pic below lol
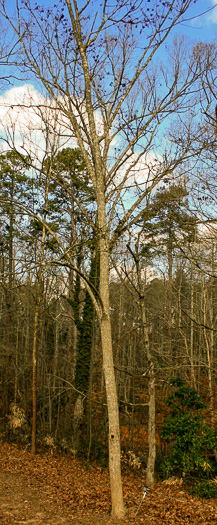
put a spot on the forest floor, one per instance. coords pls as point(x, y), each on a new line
point(51, 489)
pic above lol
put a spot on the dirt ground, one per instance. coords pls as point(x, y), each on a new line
point(56, 490)
point(38, 490)
point(22, 503)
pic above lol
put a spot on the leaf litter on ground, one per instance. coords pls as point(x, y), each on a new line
point(64, 490)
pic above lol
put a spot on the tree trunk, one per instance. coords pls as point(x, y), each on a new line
point(78, 418)
point(193, 379)
point(170, 292)
point(36, 315)
point(118, 510)
point(34, 370)
point(151, 410)
point(72, 330)
point(113, 416)
point(9, 301)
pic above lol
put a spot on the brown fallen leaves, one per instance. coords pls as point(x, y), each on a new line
point(81, 494)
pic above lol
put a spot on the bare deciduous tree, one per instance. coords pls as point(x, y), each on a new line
point(98, 70)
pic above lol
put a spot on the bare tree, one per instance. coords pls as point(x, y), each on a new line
point(98, 70)
point(134, 281)
point(40, 269)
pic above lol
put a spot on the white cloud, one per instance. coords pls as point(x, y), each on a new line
point(147, 274)
point(212, 15)
point(26, 116)
point(17, 109)
point(138, 170)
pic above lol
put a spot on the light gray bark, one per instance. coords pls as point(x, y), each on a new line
point(151, 411)
point(118, 509)
point(77, 421)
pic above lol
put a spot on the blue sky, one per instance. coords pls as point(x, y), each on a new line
point(202, 27)
point(201, 23)
point(197, 28)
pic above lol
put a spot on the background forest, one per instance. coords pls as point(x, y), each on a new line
point(43, 301)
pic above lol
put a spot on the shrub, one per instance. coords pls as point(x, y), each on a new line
point(190, 440)
point(17, 418)
point(204, 489)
